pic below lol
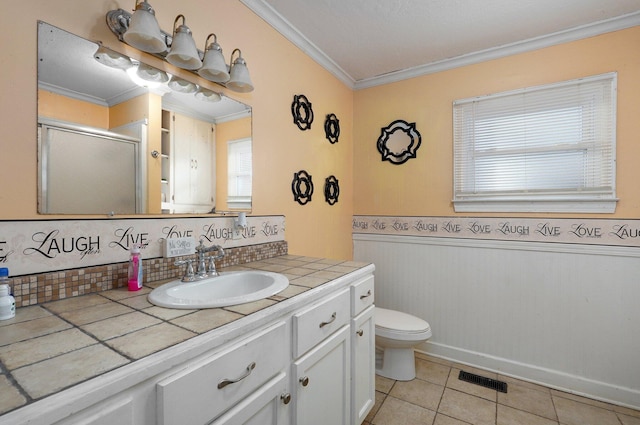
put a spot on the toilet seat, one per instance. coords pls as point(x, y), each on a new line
point(401, 326)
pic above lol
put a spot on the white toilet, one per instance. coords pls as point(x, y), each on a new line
point(396, 335)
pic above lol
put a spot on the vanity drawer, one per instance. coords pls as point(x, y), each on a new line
point(312, 325)
point(197, 394)
point(362, 295)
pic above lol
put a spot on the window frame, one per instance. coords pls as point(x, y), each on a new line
point(466, 197)
point(235, 201)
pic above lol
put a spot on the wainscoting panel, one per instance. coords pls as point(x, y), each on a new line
point(565, 315)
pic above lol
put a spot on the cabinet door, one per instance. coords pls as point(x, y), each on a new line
point(321, 382)
point(193, 162)
point(362, 365)
point(266, 406)
point(203, 172)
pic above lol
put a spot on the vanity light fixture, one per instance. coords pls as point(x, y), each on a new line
point(151, 74)
point(214, 67)
point(239, 80)
point(112, 59)
point(180, 85)
point(141, 31)
point(183, 53)
point(207, 95)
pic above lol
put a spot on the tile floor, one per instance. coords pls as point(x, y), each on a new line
point(438, 397)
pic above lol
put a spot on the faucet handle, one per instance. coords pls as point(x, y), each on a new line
point(211, 266)
point(189, 275)
point(201, 248)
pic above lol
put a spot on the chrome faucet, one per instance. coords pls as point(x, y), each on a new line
point(203, 270)
point(209, 270)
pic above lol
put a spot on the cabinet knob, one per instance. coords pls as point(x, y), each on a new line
point(286, 398)
point(360, 332)
point(304, 381)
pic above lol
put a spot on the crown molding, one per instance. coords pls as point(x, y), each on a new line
point(284, 27)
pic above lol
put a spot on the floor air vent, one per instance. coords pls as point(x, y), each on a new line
point(482, 381)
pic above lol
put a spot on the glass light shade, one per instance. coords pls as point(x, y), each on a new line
point(208, 95)
point(182, 86)
point(240, 81)
point(112, 59)
point(144, 32)
point(151, 74)
point(214, 67)
point(184, 53)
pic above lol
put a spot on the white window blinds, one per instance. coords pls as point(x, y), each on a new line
point(547, 148)
point(239, 174)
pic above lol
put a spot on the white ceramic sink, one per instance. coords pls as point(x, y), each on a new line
point(230, 288)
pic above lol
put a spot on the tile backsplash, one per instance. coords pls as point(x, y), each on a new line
point(55, 259)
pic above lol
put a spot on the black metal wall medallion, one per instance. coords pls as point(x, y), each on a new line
point(302, 187)
point(332, 128)
point(302, 112)
point(331, 190)
point(399, 142)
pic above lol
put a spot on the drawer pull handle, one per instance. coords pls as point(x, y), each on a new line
point(333, 317)
point(367, 295)
point(227, 381)
point(286, 398)
point(360, 332)
point(304, 381)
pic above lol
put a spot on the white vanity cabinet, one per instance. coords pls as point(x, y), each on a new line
point(206, 388)
point(362, 349)
point(322, 365)
point(305, 361)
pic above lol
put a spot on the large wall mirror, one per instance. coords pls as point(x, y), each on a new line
point(110, 144)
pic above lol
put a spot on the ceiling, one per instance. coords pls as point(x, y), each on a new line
point(371, 42)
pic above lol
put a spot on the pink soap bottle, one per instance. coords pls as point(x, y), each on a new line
point(135, 269)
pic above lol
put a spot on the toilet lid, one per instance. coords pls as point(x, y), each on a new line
point(397, 320)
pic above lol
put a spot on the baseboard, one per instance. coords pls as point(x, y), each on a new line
point(573, 384)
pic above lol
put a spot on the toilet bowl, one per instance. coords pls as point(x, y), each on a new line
point(397, 334)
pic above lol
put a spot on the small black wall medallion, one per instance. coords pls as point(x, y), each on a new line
point(302, 187)
point(302, 112)
point(331, 190)
point(399, 141)
point(332, 128)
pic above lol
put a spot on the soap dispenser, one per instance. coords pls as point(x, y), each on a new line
point(135, 269)
point(7, 302)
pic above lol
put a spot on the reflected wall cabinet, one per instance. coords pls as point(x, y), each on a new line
point(188, 164)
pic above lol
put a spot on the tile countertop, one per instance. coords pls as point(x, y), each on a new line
point(53, 346)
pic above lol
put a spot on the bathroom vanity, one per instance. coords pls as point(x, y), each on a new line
point(307, 359)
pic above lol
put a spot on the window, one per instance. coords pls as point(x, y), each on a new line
point(541, 149)
point(239, 174)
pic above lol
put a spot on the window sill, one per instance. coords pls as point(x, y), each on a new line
point(597, 206)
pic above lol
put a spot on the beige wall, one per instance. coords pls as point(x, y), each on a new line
point(278, 70)
point(58, 107)
point(423, 186)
